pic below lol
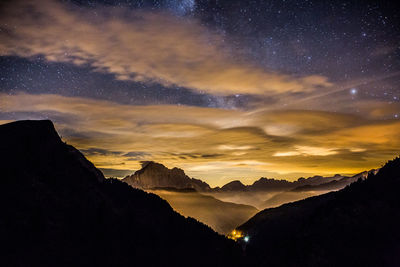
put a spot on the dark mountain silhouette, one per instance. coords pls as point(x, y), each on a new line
point(333, 184)
point(356, 226)
point(156, 175)
point(274, 185)
point(234, 186)
point(265, 184)
point(312, 189)
point(269, 192)
point(58, 210)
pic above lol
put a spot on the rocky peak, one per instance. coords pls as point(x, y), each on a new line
point(37, 145)
point(156, 175)
point(270, 184)
point(234, 186)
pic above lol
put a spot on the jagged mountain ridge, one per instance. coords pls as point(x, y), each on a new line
point(356, 226)
point(58, 210)
point(271, 184)
point(334, 184)
point(312, 189)
point(155, 175)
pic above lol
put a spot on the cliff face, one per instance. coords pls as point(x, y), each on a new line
point(155, 175)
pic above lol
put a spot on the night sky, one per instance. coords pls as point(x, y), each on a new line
point(223, 89)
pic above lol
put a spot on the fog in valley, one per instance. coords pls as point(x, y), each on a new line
point(263, 200)
point(224, 211)
point(221, 216)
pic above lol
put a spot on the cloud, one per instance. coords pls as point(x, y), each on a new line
point(231, 147)
point(138, 154)
point(308, 151)
point(99, 151)
point(140, 46)
point(216, 145)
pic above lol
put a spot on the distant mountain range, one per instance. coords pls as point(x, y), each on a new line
point(155, 175)
point(302, 184)
point(58, 210)
point(309, 190)
point(356, 226)
point(263, 193)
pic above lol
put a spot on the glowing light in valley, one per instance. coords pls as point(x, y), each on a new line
point(235, 235)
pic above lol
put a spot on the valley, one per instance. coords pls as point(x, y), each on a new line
point(224, 208)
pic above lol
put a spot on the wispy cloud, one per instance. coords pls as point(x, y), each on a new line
point(140, 46)
point(214, 144)
point(307, 151)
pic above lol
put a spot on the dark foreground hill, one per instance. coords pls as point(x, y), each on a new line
point(356, 226)
point(58, 210)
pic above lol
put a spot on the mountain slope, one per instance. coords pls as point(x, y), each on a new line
point(156, 175)
point(356, 226)
point(288, 196)
point(58, 210)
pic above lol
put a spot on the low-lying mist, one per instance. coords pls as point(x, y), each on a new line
point(262, 200)
point(221, 216)
point(224, 211)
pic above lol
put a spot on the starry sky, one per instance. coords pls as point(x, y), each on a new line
point(223, 89)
